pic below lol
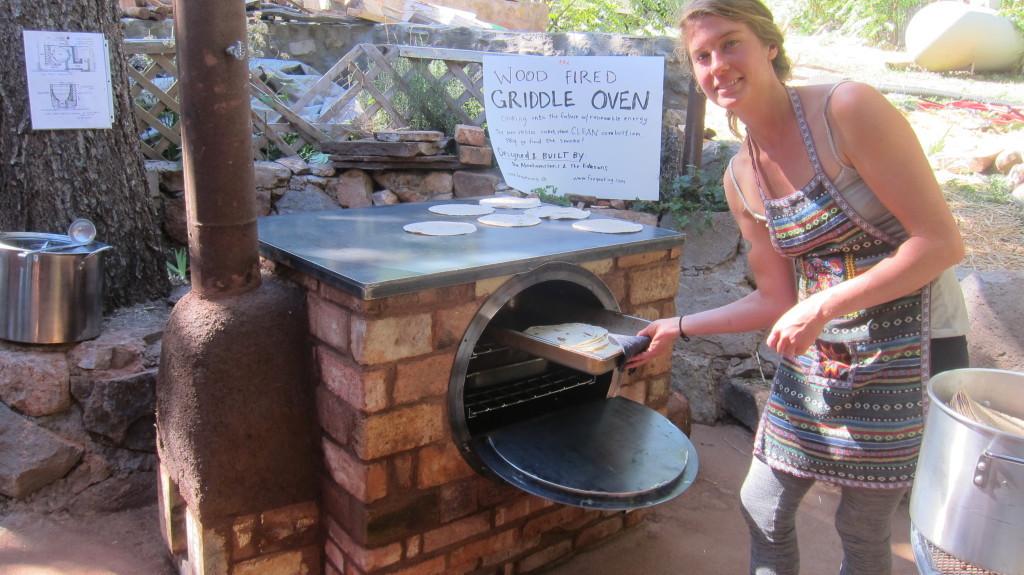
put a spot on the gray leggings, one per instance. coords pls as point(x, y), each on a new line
point(769, 499)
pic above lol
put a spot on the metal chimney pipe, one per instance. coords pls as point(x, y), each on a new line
point(217, 146)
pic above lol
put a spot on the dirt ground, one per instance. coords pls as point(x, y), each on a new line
point(700, 532)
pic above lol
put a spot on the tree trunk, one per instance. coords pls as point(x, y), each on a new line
point(50, 177)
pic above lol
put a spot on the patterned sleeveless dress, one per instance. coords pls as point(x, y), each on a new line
point(849, 410)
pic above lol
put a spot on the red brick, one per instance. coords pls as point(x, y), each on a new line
point(335, 557)
point(366, 482)
point(390, 339)
point(402, 470)
point(286, 563)
point(329, 323)
point(440, 463)
point(363, 389)
point(243, 537)
point(413, 546)
point(400, 429)
point(545, 556)
point(600, 531)
point(494, 549)
point(292, 525)
point(337, 418)
point(457, 500)
point(653, 284)
point(635, 517)
point(451, 323)
point(435, 566)
point(415, 380)
point(361, 557)
point(456, 532)
point(640, 259)
point(599, 267)
point(520, 508)
point(560, 518)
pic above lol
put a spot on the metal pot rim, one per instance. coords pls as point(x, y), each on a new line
point(943, 403)
point(7, 240)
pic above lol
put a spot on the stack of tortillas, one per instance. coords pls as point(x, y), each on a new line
point(576, 336)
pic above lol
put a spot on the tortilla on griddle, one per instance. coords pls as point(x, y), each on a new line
point(440, 228)
point(461, 209)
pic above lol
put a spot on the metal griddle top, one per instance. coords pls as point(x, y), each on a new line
point(366, 252)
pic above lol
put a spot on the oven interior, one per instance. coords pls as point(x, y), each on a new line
point(547, 419)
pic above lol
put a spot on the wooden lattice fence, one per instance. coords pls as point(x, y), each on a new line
point(372, 87)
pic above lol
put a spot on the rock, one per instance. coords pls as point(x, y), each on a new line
point(352, 189)
point(1015, 177)
point(711, 240)
point(1007, 159)
point(309, 199)
point(322, 169)
point(385, 198)
point(470, 135)
point(415, 185)
point(30, 456)
point(475, 155)
point(270, 175)
point(744, 401)
point(473, 183)
point(35, 383)
point(295, 164)
point(110, 407)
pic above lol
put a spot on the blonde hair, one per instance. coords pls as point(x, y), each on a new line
point(750, 12)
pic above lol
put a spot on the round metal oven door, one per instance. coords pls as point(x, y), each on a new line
point(557, 429)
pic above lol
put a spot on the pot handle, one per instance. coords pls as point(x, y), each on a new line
point(981, 470)
point(81, 264)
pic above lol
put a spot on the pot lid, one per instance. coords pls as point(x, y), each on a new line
point(36, 241)
point(607, 454)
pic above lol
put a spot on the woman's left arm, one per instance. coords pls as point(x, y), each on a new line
point(873, 136)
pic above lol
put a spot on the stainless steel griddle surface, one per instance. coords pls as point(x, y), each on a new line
point(366, 252)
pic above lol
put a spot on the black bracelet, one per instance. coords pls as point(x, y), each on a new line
point(682, 335)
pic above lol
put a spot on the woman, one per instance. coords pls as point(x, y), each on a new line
point(851, 246)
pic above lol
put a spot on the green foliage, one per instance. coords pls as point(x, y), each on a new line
point(992, 191)
point(178, 269)
point(882, 22)
point(636, 17)
point(697, 191)
point(549, 195)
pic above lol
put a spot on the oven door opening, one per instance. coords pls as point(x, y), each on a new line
point(550, 422)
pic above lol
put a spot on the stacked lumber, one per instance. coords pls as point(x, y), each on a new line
point(406, 149)
point(415, 11)
point(147, 9)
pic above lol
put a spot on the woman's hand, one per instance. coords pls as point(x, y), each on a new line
point(797, 329)
point(663, 333)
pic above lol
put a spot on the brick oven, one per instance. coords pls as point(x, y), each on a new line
point(398, 323)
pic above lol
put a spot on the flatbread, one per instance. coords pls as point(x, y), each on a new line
point(509, 220)
point(559, 213)
point(510, 202)
point(460, 209)
point(576, 336)
point(607, 226)
point(440, 228)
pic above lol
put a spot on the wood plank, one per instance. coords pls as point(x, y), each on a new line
point(362, 148)
point(428, 53)
point(445, 162)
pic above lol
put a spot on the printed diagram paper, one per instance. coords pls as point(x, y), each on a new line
point(588, 125)
point(68, 77)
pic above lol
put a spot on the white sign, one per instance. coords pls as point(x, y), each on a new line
point(587, 125)
point(68, 80)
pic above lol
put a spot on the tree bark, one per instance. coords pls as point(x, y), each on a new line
point(48, 178)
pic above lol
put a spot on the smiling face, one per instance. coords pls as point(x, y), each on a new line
point(730, 62)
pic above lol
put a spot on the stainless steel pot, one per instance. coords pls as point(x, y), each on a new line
point(968, 498)
point(51, 288)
